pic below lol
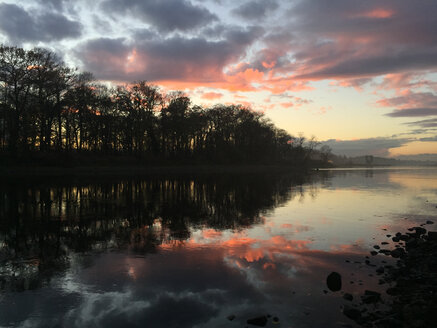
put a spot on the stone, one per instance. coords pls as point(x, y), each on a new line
point(333, 281)
point(231, 317)
point(348, 297)
point(258, 321)
point(420, 230)
point(380, 270)
point(370, 297)
point(432, 235)
point(398, 252)
point(351, 313)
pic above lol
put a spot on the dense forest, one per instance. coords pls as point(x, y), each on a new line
point(49, 110)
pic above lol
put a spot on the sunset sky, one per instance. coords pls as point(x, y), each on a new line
point(361, 75)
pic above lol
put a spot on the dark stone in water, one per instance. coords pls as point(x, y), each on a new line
point(420, 230)
point(398, 252)
point(370, 297)
point(392, 291)
point(258, 321)
point(432, 235)
point(395, 239)
point(334, 281)
point(351, 313)
point(275, 320)
point(348, 297)
point(404, 237)
point(373, 253)
point(231, 317)
point(429, 222)
point(376, 247)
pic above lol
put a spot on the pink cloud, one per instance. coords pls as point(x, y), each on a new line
point(378, 13)
point(212, 95)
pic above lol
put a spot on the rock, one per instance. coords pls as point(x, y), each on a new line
point(429, 222)
point(398, 252)
point(432, 235)
point(370, 297)
point(376, 247)
point(384, 243)
point(231, 317)
point(412, 243)
point(333, 281)
point(395, 239)
point(404, 237)
point(392, 291)
point(258, 321)
point(351, 313)
point(373, 253)
point(348, 297)
point(380, 270)
point(420, 230)
point(275, 320)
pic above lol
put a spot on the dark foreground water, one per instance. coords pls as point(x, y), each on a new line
point(191, 251)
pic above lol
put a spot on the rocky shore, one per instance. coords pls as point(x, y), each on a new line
point(409, 294)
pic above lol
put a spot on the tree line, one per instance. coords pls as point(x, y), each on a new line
point(47, 107)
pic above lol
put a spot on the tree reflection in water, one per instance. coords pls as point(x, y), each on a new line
point(44, 223)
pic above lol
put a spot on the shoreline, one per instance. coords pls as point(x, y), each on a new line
point(138, 170)
point(409, 298)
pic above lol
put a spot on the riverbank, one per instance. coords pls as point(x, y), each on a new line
point(410, 297)
point(137, 170)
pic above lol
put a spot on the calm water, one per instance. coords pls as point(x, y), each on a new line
point(190, 251)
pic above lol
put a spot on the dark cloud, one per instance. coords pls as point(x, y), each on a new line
point(155, 59)
point(430, 123)
point(429, 139)
point(344, 38)
point(19, 26)
point(165, 15)
point(413, 112)
point(370, 146)
point(411, 99)
point(105, 57)
point(377, 64)
point(255, 9)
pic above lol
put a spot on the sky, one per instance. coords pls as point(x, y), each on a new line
point(360, 76)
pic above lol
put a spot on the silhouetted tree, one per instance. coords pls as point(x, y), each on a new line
point(47, 107)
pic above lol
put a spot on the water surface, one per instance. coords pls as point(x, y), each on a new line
point(188, 251)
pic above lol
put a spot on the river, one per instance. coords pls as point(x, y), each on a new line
point(205, 250)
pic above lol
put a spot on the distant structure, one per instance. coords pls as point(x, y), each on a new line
point(369, 160)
